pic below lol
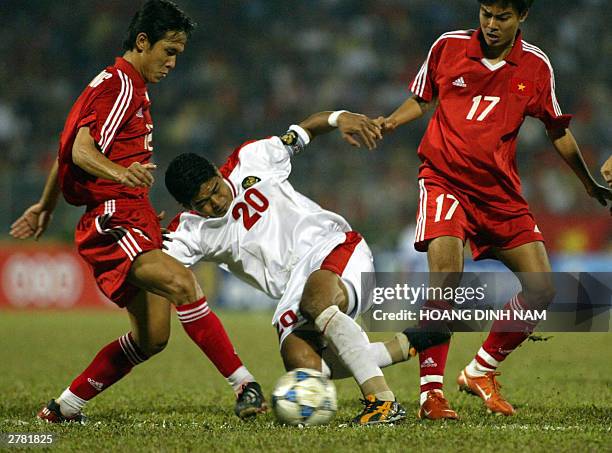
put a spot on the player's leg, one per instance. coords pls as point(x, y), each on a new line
point(150, 320)
point(445, 259)
point(168, 279)
point(119, 238)
point(304, 349)
point(300, 349)
point(324, 302)
point(530, 262)
point(442, 229)
point(149, 335)
point(390, 352)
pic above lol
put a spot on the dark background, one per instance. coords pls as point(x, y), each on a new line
point(252, 68)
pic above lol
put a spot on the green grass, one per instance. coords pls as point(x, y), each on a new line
point(178, 402)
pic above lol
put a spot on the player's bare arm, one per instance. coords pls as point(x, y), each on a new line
point(87, 157)
point(565, 144)
point(413, 108)
point(355, 128)
point(36, 218)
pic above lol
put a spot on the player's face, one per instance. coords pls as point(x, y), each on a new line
point(499, 25)
point(213, 199)
point(160, 58)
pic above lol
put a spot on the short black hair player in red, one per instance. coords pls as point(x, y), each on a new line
point(104, 164)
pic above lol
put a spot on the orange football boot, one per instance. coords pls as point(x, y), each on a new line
point(436, 407)
point(487, 388)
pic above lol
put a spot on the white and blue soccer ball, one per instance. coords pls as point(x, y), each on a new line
point(304, 397)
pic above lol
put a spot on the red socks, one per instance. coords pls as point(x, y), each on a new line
point(116, 359)
point(505, 336)
point(113, 362)
point(432, 363)
point(206, 330)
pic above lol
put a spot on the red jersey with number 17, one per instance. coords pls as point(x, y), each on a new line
point(470, 141)
point(116, 108)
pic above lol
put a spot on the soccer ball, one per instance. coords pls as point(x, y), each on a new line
point(304, 397)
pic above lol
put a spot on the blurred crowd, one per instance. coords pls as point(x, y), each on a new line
point(254, 67)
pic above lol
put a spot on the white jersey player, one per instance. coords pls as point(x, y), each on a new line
point(247, 217)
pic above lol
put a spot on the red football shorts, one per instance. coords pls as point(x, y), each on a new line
point(446, 211)
point(110, 236)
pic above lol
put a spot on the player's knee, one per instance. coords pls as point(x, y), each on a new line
point(149, 346)
point(299, 359)
point(155, 347)
point(446, 264)
point(320, 293)
point(445, 255)
point(541, 297)
point(181, 288)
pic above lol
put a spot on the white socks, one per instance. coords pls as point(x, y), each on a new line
point(476, 369)
point(381, 354)
point(70, 404)
point(348, 340)
point(333, 368)
point(239, 377)
point(424, 394)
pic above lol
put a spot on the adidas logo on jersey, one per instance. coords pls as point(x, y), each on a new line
point(139, 113)
point(429, 363)
point(460, 83)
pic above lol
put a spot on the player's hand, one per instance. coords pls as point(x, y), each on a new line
point(606, 171)
point(33, 221)
point(138, 175)
point(164, 231)
point(601, 194)
point(358, 129)
point(386, 124)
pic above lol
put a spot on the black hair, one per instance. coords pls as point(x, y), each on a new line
point(156, 18)
point(520, 5)
point(185, 174)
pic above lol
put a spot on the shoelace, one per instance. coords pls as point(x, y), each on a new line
point(368, 404)
point(496, 385)
point(241, 390)
point(439, 398)
point(248, 396)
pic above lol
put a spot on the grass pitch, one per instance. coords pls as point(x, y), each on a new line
point(178, 402)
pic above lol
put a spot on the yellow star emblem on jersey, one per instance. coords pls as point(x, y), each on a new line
point(521, 87)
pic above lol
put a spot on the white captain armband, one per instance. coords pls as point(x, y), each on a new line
point(295, 139)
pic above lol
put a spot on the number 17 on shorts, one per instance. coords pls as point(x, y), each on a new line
point(440, 213)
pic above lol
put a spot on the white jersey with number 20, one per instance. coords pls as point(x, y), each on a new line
point(269, 227)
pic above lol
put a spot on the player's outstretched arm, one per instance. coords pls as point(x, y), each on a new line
point(35, 219)
point(356, 129)
point(564, 142)
point(412, 109)
point(86, 156)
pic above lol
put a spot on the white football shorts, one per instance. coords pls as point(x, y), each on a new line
point(347, 260)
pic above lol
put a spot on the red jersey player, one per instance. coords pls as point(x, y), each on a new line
point(104, 165)
point(482, 84)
